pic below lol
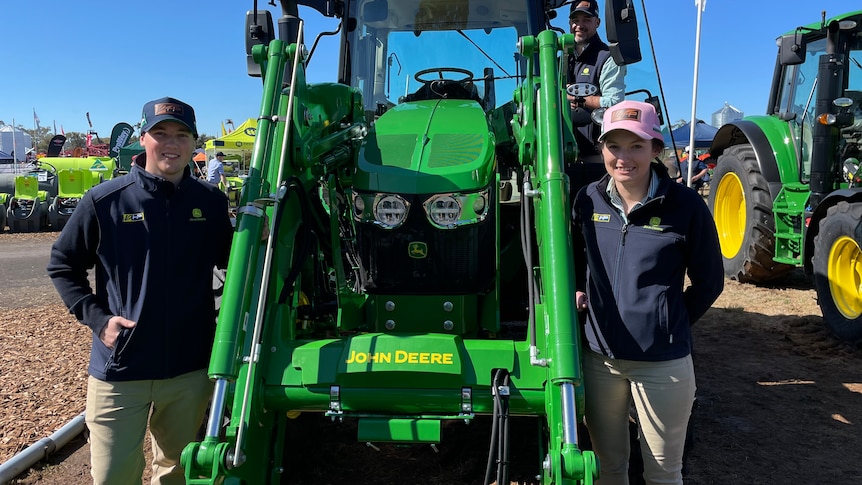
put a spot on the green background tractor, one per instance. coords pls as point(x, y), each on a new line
point(785, 192)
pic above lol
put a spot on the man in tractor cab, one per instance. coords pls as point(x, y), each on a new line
point(592, 65)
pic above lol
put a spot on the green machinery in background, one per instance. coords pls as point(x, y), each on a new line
point(786, 192)
point(402, 255)
point(28, 206)
point(71, 186)
point(45, 195)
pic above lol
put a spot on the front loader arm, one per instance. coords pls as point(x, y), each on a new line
point(304, 133)
point(539, 130)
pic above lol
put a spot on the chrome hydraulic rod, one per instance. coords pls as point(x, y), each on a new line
point(569, 414)
point(216, 408)
point(254, 350)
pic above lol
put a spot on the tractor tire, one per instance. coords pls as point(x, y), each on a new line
point(54, 219)
point(2, 218)
point(741, 206)
point(837, 263)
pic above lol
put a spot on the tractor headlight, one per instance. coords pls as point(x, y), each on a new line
point(443, 210)
point(448, 211)
point(390, 211)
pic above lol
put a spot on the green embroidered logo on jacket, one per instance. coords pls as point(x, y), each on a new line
point(654, 224)
point(197, 215)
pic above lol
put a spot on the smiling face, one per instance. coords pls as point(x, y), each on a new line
point(627, 159)
point(584, 26)
point(169, 147)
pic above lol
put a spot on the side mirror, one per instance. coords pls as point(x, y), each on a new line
point(791, 49)
point(621, 27)
point(656, 103)
point(375, 11)
point(258, 30)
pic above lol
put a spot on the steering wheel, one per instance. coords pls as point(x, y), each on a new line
point(468, 76)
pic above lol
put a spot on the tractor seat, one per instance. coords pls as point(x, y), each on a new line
point(444, 89)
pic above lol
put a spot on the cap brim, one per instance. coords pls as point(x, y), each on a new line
point(159, 119)
point(632, 129)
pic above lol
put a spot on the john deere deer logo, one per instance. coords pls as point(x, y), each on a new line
point(417, 250)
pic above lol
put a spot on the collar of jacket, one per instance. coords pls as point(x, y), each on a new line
point(664, 183)
point(595, 43)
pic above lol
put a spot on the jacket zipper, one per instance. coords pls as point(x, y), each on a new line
point(619, 260)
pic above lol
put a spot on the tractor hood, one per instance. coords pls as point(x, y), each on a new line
point(428, 147)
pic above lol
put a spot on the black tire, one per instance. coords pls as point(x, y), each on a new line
point(54, 217)
point(837, 263)
point(741, 206)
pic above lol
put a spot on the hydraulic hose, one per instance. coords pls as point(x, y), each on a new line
point(527, 249)
point(498, 451)
point(495, 430)
point(293, 184)
point(503, 443)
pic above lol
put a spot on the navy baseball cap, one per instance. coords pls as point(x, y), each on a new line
point(164, 109)
point(589, 7)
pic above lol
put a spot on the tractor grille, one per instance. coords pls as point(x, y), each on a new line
point(417, 258)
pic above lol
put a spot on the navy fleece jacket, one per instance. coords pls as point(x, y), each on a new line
point(634, 273)
point(153, 246)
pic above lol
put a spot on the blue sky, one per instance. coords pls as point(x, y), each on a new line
point(108, 58)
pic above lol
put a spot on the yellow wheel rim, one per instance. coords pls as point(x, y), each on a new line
point(844, 270)
point(729, 214)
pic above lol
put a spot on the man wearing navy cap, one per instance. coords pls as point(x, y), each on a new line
point(152, 238)
point(590, 65)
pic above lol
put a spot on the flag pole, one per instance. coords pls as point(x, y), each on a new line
point(14, 152)
point(701, 5)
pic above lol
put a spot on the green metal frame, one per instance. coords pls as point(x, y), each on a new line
point(400, 385)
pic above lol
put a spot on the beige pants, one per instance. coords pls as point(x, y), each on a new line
point(662, 392)
point(117, 414)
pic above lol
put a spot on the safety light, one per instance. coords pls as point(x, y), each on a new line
point(827, 119)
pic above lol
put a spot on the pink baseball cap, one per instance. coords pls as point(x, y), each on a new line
point(634, 116)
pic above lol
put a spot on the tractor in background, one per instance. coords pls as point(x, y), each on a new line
point(785, 192)
point(402, 258)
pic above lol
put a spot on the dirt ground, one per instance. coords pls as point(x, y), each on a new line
point(779, 398)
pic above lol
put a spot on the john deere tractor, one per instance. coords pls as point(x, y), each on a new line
point(402, 257)
point(786, 187)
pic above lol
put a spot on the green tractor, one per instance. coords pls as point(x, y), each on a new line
point(402, 257)
point(785, 192)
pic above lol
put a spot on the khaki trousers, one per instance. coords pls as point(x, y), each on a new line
point(662, 392)
point(117, 415)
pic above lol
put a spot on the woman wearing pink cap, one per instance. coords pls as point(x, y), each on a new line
point(637, 235)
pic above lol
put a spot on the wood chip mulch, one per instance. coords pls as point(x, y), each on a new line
point(44, 353)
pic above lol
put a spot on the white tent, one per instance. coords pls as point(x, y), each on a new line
point(19, 147)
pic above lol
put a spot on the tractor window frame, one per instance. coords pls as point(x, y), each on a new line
point(797, 94)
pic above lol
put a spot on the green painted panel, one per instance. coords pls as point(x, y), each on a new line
point(399, 430)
